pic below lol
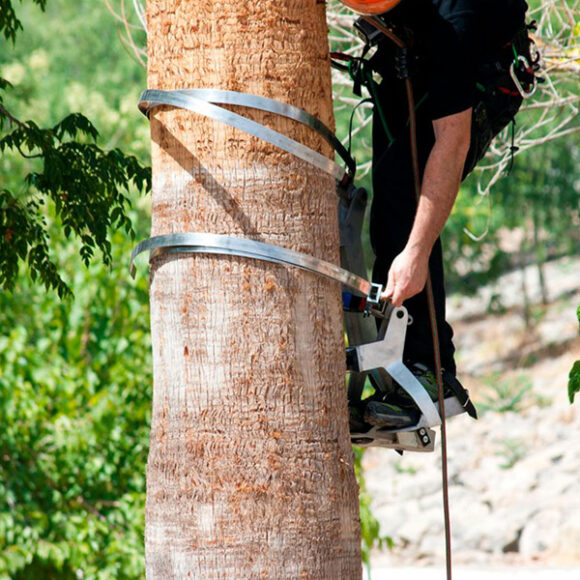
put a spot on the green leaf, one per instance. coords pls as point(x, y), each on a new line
point(9, 24)
point(574, 381)
point(74, 124)
point(574, 377)
point(85, 184)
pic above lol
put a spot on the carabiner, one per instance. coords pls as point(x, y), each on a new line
point(513, 73)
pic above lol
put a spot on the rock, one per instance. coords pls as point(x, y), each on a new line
point(514, 485)
point(567, 550)
point(541, 533)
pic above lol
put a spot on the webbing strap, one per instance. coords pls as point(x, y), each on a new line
point(205, 102)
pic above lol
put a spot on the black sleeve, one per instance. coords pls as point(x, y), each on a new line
point(456, 45)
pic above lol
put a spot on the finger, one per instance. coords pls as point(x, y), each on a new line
point(390, 287)
point(397, 298)
point(385, 300)
point(386, 294)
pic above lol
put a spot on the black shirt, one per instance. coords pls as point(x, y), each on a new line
point(449, 41)
point(466, 33)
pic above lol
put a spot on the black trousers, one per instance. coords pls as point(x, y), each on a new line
point(392, 214)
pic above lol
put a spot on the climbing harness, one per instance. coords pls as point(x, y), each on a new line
point(520, 64)
point(505, 81)
point(507, 76)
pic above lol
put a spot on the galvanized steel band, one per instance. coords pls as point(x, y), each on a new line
point(203, 102)
point(205, 243)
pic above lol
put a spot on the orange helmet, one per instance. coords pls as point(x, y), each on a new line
point(371, 6)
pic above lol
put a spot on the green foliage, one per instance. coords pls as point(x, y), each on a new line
point(511, 450)
point(508, 395)
point(400, 467)
point(74, 376)
point(74, 431)
point(84, 183)
point(86, 187)
point(512, 394)
point(574, 381)
point(574, 378)
point(537, 206)
point(370, 527)
point(9, 23)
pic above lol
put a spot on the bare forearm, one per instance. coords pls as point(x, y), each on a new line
point(441, 180)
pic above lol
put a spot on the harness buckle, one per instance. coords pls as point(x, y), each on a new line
point(375, 292)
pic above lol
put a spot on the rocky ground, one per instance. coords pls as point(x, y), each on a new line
point(514, 474)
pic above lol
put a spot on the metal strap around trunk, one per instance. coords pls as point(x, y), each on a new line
point(205, 243)
point(203, 102)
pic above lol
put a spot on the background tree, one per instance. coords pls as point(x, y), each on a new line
point(574, 378)
point(74, 375)
point(63, 173)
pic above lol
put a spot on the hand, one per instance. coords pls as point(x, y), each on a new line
point(407, 277)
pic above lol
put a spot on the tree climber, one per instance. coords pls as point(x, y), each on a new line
point(449, 43)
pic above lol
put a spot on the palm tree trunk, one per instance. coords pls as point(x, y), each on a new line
point(250, 471)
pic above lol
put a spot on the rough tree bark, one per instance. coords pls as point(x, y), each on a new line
point(250, 471)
